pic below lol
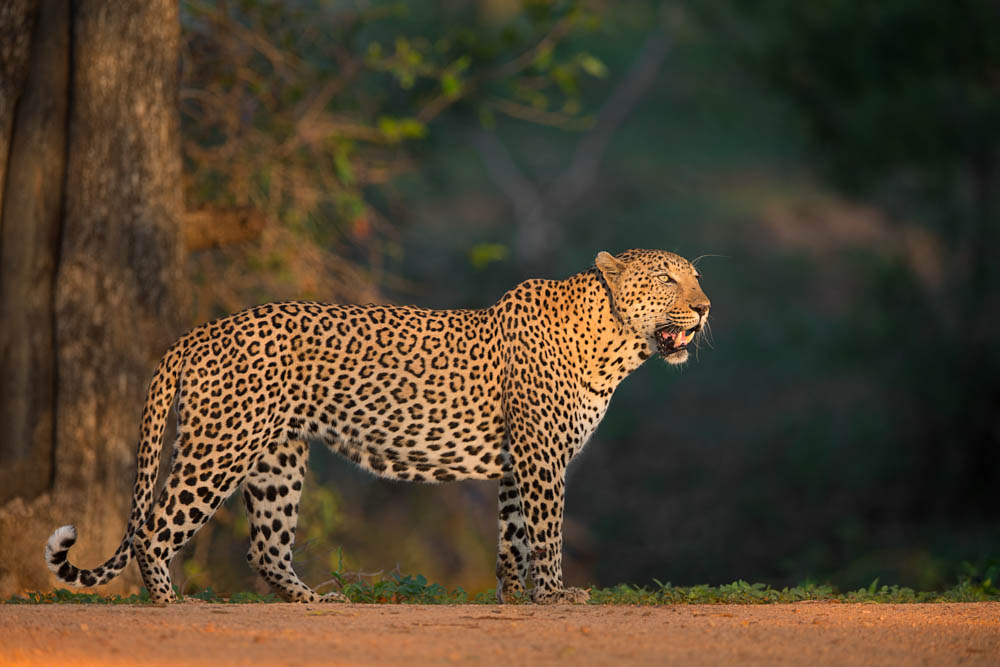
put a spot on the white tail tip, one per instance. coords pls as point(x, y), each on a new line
point(59, 543)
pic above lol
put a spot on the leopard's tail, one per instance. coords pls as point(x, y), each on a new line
point(159, 399)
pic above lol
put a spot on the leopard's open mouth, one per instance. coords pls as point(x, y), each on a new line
point(671, 340)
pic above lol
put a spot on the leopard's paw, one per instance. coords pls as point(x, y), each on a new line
point(510, 592)
point(333, 597)
point(561, 596)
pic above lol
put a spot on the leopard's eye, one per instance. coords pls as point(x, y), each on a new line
point(665, 279)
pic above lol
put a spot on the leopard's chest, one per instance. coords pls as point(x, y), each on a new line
point(590, 414)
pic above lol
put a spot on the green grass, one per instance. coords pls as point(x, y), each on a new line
point(409, 589)
point(977, 583)
point(742, 592)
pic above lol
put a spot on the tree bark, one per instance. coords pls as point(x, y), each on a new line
point(17, 19)
point(100, 287)
point(32, 204)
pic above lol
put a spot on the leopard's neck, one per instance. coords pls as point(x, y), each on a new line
point(612, 350)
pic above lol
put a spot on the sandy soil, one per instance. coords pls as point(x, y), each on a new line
point(284, 634)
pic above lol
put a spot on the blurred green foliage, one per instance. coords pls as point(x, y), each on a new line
point(296, 108)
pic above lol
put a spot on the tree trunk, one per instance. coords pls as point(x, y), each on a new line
point(34, 164)
point(17, 19)
point(91, 265)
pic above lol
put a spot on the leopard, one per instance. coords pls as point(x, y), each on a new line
point(511, 392)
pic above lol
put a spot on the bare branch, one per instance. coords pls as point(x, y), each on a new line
point(523, 61)
point(582, 171)
point(507, 69)
point(537, 213)
point(526, 199)
point(541, 117)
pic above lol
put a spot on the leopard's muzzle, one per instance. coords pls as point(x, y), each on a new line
point(671, 340)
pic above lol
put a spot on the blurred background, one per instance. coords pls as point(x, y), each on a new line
point(834, 163)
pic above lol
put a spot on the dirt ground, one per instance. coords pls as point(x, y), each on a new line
point(285, 634)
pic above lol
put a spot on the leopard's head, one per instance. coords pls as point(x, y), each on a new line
point(657, 295)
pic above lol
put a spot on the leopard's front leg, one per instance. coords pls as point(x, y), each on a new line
point(542, 499)
point(541, 439)
point(539, 457)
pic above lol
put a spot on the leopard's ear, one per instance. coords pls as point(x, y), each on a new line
point(609, 266)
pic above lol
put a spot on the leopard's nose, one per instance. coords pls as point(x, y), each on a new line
point(701, 308)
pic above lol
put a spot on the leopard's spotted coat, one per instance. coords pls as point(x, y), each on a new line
point(511, 392)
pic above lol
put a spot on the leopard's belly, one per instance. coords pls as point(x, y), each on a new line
point(413, 416)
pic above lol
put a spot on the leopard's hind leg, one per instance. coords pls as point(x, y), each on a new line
point(271, 493)
point(512, 546)
point(190, 497)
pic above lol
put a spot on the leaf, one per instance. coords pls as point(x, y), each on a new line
point(411, 128)
point(482, 254)
point(450, 85)
point(592, 66)
point(486, 118)
point(566, 80)
point(342, 163)
point(398, 129)
point(543, 59)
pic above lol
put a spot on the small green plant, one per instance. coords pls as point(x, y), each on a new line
point(738, 592)
point(245, 597)
point(981, 578)
point(742, 592)
point(63, 596)
point(396, 588)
